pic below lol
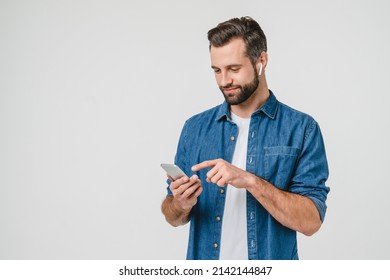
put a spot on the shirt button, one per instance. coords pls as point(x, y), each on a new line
point(222, 191)
point(218, 218)
point(215, 245)
point(232, 138)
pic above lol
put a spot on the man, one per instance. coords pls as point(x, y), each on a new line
point(260, 166)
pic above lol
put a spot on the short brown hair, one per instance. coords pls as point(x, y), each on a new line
point(247, 29)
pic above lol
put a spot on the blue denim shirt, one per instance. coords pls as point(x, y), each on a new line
point(285, 147)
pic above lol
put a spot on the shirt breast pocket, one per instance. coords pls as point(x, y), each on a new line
point(279, 164)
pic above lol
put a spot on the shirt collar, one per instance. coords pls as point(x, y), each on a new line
point(269, 108)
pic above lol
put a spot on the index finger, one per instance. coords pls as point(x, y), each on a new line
point(204, 164)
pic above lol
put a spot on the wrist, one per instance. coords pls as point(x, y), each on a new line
point(179, 208)
point(254, 183)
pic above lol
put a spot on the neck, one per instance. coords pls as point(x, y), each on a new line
point(257, 99)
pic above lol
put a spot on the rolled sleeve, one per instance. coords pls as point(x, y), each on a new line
point(312, 169)
point(180, 154)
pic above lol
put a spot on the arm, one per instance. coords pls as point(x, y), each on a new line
point(291, 210)
point(177, 207)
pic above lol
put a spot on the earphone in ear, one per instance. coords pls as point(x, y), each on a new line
point(260, 68)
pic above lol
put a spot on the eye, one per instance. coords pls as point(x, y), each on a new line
point(234, 70)
point(216, 71)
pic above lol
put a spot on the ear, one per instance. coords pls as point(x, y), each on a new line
point(262, 62)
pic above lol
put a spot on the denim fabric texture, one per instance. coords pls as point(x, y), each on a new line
point(285, 147)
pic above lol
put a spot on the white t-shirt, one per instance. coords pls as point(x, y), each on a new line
point(234, 244)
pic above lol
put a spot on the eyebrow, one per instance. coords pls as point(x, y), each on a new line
point(228, 66)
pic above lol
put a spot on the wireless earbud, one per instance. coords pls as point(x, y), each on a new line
point(260, 68)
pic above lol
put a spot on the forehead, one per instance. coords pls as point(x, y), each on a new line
point(233, 52)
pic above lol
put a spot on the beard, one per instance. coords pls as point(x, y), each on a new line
point(244, 92)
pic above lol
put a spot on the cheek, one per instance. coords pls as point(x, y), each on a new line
point(247, 77)
point(241, 79)
point(218, 79)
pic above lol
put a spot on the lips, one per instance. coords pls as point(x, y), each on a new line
point(230, 90)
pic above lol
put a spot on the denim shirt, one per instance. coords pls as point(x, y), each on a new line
point(285, 147)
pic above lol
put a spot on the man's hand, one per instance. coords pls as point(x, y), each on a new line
point(186, 191)
point(223, 173)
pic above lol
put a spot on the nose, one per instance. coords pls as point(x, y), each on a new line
point(225, 80)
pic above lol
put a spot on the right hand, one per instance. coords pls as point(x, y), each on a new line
point(186, 191)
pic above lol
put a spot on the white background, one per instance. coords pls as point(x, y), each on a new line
point(93, 96)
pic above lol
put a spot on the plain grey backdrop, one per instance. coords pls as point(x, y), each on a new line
point(93, 96)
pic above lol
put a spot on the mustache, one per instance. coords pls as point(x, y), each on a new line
point(229, 87)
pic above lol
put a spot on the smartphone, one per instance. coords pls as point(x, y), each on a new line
point(173, 170)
